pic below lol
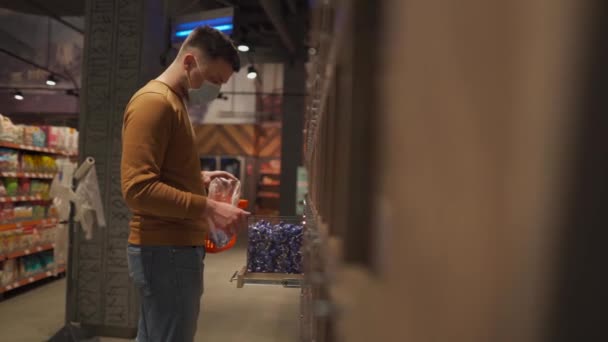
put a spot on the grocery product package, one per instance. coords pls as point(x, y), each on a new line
point(8, 131)
point(227, 191)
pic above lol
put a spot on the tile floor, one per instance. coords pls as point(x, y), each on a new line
point(252, 314)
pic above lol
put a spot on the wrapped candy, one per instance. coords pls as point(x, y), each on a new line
point(274, 248)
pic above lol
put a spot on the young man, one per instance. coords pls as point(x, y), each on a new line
point(162, 185)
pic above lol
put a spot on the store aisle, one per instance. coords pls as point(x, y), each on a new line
point(252, 314)
point(35, 315)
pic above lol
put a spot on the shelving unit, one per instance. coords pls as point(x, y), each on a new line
point(268, 191)
point(47, 150)
point(32, 279)
point(44, 223)
point(27, 254)
point(27, 251)
point(14, 199)
point(31, 175)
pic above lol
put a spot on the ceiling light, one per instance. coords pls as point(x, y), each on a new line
point(243, 47)
point(251, 73)
point(18, 96)
point(51, 81)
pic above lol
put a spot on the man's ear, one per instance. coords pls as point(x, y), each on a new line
point(188, 61)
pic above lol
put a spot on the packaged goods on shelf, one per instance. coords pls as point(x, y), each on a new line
point(8, 131)
point(275, 246)
point(21, 240)
point(27, 266)
point(9, 272)
point(9, 160)
point(59, 138)
point(11, 186)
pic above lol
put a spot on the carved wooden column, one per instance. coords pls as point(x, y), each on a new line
point(123, 43)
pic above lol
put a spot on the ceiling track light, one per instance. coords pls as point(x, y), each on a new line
point(51, 81)
point(251, 72)
point(243, 47)
point(17, 95)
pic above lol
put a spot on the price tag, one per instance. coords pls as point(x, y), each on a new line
point(48, 273)
point(30, 279)
point(26, 252)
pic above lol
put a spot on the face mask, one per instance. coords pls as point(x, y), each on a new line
point(205, 94)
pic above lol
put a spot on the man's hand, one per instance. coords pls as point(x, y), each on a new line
point(208, 176)
point(225, 216)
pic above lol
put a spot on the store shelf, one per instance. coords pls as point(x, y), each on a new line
point(271, 184)
point(34, 175)
point(26, 224)
point(32, 279)
point(14, 199)
point(267, 194)
point(28, 251)
point(7, 144)
point(243, 277)
point(270, 173)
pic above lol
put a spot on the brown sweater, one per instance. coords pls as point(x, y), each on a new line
point(160, 169)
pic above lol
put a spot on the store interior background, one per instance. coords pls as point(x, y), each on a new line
point(241, 132)
point(453, 150)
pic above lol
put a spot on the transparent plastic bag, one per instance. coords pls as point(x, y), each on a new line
point(227, 191)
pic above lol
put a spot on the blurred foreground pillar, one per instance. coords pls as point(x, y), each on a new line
point(123, 44)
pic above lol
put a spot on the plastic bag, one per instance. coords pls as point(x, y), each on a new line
point(227, 191)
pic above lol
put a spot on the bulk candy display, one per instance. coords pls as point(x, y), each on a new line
point(275, 248)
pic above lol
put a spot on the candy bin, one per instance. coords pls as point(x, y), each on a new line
point(274, 252)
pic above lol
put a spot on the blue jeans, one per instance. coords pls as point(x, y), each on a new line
point(170, 284)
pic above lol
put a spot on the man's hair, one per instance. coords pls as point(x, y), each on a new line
point(214, 44)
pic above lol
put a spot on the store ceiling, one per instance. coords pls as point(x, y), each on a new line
point(266, 23)
point(64, 8)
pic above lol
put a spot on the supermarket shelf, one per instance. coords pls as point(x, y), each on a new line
point(28, 251)
point(25, 224)
point(22, 199)
point(36, 149)
point(34, 175)
point(34, 278)
point(267, 194)
point(270, 173)
point(243, 277)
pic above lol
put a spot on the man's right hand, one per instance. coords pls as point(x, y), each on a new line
point(225, 216)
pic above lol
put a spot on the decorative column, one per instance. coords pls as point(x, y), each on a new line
point(123, 43)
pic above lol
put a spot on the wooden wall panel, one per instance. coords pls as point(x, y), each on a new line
point(269, 140)
point(225, 139)
point(242, 140)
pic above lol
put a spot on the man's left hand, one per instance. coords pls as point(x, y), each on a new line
point(208, 176)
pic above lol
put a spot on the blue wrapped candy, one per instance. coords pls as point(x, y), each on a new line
point(274, 247)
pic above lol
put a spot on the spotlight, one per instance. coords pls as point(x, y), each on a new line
point(18, 96)
point(243, 47)
point(251, 73)
point(51, 81)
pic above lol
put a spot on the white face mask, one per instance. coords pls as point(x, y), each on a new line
point(206, 93)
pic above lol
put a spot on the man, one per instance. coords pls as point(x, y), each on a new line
point(161, 183)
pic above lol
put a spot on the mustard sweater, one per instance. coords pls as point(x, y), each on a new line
point(160, 170)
